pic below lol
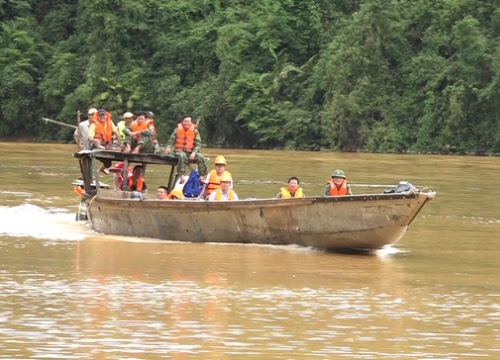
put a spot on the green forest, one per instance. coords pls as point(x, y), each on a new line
point(400, 76)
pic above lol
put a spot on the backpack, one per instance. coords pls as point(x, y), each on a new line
point(192, 187)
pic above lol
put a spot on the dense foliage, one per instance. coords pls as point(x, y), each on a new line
point(346, 75)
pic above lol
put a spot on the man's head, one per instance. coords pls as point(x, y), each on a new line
point(138, 171)
point(161, 192)
point(140, 117)
point(187, 121)
point(293, 184)
point(102, 115)
point(92, 111)
point(128, 117)
point(225, 181)
point(338, 176)
point(220, 164)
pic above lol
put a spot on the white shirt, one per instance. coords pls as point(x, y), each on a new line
point(224, 196)
point(82, 133)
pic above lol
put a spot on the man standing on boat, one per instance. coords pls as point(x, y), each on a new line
point(81, 134)
point(185, 145)
point(292, 190)
point(338, 185)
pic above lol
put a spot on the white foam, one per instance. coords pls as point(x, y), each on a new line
point(32, 221)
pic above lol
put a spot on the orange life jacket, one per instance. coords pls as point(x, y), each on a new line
point(184, 140)
point(218, 194)
point(214, 182)
point(336, 190)
point(103, 131)
point(285, 193)
point(78, 190)
point(135, 126)
point(151, 122)
point(139, 186)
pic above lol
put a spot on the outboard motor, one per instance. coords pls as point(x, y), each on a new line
point(81, 214)
point(402, 187)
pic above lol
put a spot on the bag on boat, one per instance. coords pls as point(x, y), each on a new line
point(403, 186)
point(192, 187)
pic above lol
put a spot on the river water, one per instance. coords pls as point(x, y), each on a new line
point(67, 292)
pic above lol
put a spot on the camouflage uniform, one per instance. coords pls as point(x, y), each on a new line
point(183, 157)
point(146, 141)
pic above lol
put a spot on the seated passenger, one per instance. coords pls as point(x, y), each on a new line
point(101, 131)
point(124, 124)
point(292, 190)
point(185, 145)
point(162, 193)
point(150, 119)
point(224, 192)
point(176, 194)
point(338, 185)
point(136, 181)
point(139, 136)
point(212, 182)
point(117, 169)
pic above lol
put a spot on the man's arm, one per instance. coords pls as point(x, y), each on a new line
point(197, 142)
point(117, 135)
point(170, 142)
point(76, 136)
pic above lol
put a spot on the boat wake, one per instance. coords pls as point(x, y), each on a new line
point(32, 221)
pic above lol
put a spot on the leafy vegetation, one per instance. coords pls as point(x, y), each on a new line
point(346, 75)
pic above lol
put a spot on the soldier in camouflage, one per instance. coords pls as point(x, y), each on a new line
point(185, 145)
point(338, 185)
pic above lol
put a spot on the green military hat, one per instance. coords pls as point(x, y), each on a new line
point(338, 173)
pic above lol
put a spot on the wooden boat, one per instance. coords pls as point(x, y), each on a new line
point(359, 222)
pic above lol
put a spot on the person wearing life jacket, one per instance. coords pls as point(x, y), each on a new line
point(212, 182)
point(185, 143)
point(338, 185)
point(101, 131)
point(224, 192)
point(136, 181)
point(292, 190)
point(117, 170)
point(139, 136)
point(150, 119)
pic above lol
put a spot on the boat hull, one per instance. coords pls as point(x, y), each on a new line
point(359, 222)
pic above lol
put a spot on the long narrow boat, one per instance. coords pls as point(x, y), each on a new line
point(342, 223)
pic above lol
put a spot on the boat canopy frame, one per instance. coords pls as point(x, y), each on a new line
point(90, 169)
